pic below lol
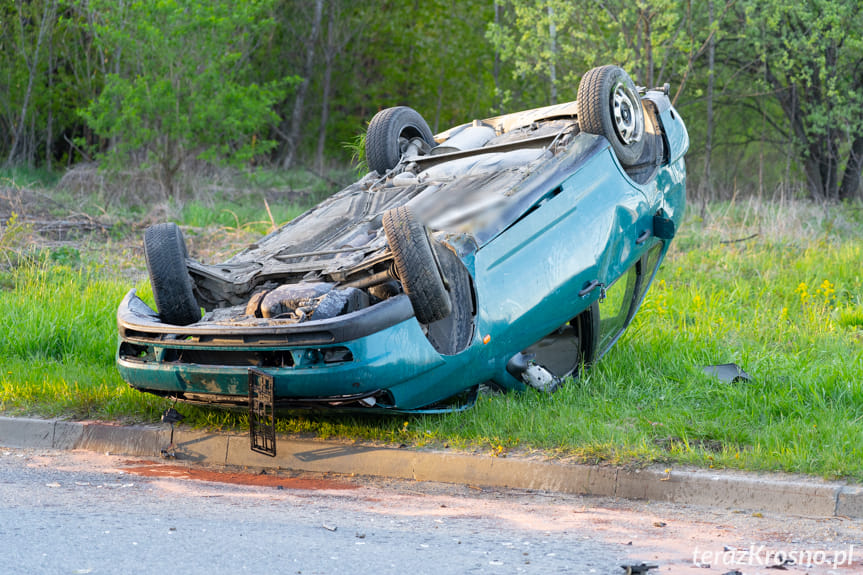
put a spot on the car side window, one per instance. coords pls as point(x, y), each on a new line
point(614, 309)
point(623, 297)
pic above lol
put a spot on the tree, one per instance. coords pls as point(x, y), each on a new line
point(647, 33)
point(539, 38)
point(810, 55)
point(342, 26)
point(33, 24)
point(293, 137)
point(553, 42)
point(429, 55)
point(182, 88)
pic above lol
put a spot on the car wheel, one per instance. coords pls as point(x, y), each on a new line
point(563, 352)
point(389, 133)
point(165, 252)
point(416, 265)
point(609, 105)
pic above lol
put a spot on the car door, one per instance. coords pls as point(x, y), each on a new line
point(624, 296)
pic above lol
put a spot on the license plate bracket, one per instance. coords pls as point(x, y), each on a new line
point(262, 420)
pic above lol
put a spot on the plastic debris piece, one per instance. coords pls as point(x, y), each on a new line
point(727, 372)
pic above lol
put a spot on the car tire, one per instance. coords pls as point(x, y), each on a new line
point(454, 333)
point(388, 133)
point(609, 105)
point(165, 252)
point(416, 265)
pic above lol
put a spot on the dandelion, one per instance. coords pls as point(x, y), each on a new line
point(803, 291)
point(827, 291)
point(660, 303)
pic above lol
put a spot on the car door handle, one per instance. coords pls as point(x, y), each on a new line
point(592, 286)
point(643, 237)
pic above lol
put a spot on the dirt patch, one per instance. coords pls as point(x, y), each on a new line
point(148, 469)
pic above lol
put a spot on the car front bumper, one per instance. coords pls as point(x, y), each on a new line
point(377, 357)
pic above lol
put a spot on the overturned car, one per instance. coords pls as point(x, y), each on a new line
point(512, 251)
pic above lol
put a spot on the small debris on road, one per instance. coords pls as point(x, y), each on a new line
point(639, 569)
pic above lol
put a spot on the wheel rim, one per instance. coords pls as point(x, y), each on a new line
point(626, 110)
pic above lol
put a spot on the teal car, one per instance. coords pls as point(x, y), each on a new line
point(511, 251)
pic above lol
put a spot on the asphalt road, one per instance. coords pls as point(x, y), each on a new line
point(80, 512)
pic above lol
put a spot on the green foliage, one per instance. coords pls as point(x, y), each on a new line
point(183, 90)
point(56, 311)
point(178, 85)
point(428, 55)
point(535, 35)
point(810, 55)
point(357, 148)
point(523, 39)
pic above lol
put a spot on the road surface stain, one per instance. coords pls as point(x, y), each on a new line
point(149, 469)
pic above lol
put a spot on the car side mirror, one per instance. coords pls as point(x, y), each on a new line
point(663, 226)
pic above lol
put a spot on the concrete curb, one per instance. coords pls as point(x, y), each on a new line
point(727, 489)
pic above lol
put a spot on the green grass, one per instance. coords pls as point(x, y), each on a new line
point(57, 345)
point(238, 214)
point(316, 185)
point(21, 176)
point(786, 305)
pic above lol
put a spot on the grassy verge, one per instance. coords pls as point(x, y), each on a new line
point(786, 304)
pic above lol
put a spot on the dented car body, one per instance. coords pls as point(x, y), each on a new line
point(513, 250)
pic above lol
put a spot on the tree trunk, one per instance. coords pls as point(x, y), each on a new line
point(708, 137)
point(786, 185)
point(498, 103)
point(329, 56)
point(439, 102)
point(817, 160)
point(49, 136)
point(293, 139)
point(851, 178)
point(19, 131)
point(552, 64)
point(648, 47)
